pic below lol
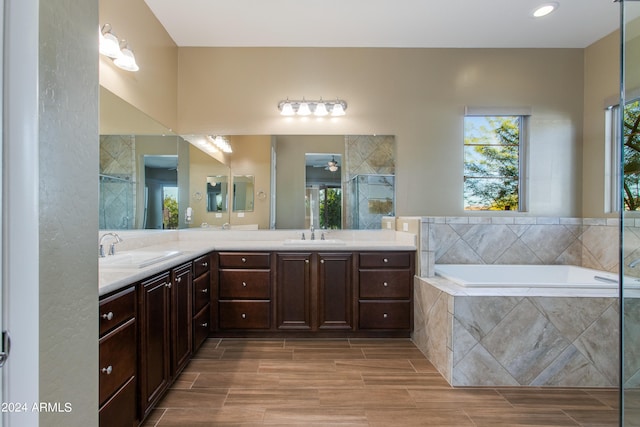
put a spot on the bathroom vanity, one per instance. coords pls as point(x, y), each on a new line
point(154, 318)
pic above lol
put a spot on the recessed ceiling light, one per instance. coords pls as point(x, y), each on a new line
point(545, 9)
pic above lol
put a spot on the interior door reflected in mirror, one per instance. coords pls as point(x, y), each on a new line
point(217, 193)
point(243, 189)
point(323, 182)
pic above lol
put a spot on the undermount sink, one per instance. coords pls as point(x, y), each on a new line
point(137, 259)
point(315, 242)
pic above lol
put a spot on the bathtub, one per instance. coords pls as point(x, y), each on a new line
point(530, 276)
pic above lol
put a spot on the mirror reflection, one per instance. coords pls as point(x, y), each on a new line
point(243, 193)
point(133, 186)
point(217, 193)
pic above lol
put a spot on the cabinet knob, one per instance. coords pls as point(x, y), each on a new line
point(385, 315)
point(244, 259)
point(306, 261)
point(385, 284)
point(244, 316)
point(385, 260)
point(244, 284)
point(168, 285)
point(205, 264)
point(107, 316)
point(107, 370)
point(321, 261)
point(205, 291)
point(204, 325)
point(179, 279)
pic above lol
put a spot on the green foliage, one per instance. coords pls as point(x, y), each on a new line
point(491, 166)
point(331, 208)
point(170, 213)
point(631, 156)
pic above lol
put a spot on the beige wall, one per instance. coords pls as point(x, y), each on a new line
point(152, 90)
point(601, 83)
point(290, 175)
point(252, 156)
point(201, 166)
point(418, 95)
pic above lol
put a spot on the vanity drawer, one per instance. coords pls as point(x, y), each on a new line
point(117, 309)
point(385, 315)
point(245, 314)
point(244, 260)
point(385, 260)
point(377, 284)
point(117, 359)
point(201, 265)
point(120, 410)
point(251, 284)
point(201, 292)
point(200, 328)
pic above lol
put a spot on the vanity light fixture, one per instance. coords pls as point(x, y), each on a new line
point(545, 9)
point(318, 108)
point(220, 143)
point(118, 51)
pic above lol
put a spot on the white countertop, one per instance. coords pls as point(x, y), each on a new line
point(194, 242)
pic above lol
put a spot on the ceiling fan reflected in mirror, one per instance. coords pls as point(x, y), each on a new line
point(332, 165)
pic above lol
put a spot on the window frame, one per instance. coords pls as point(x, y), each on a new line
point(523, 113)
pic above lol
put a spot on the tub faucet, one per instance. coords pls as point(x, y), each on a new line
point(112, 247)
point(635, 262)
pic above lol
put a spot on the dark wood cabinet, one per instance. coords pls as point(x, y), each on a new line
point(118, 359)
point(202, 322)
point(155, 357)
point(385, 290)
point(244, 291)
point(181, 317)
point(293, 290)
point(335, 291)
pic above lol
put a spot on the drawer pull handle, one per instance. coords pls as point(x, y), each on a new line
point(179, 279)
point(205, 264)
point(107, 370)
point(244, 284)
point(385, 260)
point(204, 325)
point(108, 316)
point(244, 259)
point(205, 291)
point(244, 316)
point(385, 315)
point(385, 284)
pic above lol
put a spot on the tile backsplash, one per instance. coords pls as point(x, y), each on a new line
point(587, 242)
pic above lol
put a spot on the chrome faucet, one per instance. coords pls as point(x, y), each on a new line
point(112, 247)
point(635, 262)
point(313, 236)
point(226, 226)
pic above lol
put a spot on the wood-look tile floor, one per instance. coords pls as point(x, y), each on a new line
point(355, 382)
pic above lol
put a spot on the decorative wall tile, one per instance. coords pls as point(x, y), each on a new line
point(571, 367)
point(569, 321)
point(480, 368)
point(595, 344)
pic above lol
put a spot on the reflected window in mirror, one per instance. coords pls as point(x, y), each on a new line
point(243, 189)
point(217, 193)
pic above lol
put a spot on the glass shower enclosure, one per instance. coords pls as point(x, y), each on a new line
point(373, 198)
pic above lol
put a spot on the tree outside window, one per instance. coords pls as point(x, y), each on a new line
point(492, 162)
point(631, 156)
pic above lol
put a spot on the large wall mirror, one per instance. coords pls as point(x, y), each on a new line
point(148, 175)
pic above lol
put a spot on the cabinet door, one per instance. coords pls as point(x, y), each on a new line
point(154, 340)
point(335, 285)
point(293, 284)
point(181, 304)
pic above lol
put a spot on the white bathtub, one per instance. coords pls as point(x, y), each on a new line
point(530, 276)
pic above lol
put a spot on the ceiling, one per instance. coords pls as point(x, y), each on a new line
point(385, 23)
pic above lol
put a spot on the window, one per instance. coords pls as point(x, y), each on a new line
point(630, 157)
point(493, 162)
